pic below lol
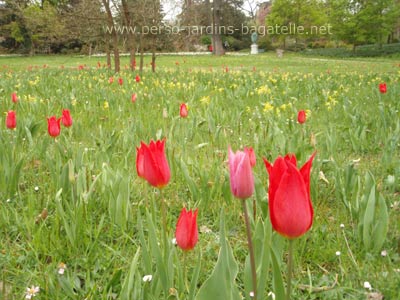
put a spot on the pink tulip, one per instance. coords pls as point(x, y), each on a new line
point(241, 176)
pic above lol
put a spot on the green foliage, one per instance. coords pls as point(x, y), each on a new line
point(221, 283)
point(360, 51)
point(77, 199)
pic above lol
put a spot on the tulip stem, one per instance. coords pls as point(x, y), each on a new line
point(251, 250)
point(163, 214)
point(289, 270)
point(185, 271)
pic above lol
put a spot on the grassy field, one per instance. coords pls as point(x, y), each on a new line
point(77, 199)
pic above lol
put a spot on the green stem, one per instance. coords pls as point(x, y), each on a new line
point(185, 271)
point(289, 270)
point(163, 213)
point(250, 243)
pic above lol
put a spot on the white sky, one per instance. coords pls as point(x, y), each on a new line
point(173, 7)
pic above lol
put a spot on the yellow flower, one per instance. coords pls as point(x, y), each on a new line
point(105, 105)
point(268, 107)
point(205, 99)
point(264, 90)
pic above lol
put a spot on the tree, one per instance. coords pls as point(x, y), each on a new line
point(359, 22)
point(42, 24)
point(218, 49)
point(113, 33)
point(301, 17)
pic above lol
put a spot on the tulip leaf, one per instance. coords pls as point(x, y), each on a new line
point(369, 218)
point(128, 285)
point(221, 283)
point(375, 220)
point(194, 279)
point(279, 289)
point(381, 225)
point(162, 264)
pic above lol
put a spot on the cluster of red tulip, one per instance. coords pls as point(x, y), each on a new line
point(53, 124)
point(291, 211)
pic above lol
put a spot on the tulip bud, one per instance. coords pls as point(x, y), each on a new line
point(53, 126)
point(301, 117)
point(183, 110)
point(186, 233)
point(11, 119)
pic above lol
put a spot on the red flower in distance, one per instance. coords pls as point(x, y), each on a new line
point(152, 164)
point(186, 232)
point(241, 176)
point(111, 80)
point(11, 119)
point(137, 78)
point(53, 126)
point(290, 207)
point(120, 81)
point(183, 111)
point(14, 97)
point(66, 118)
point(133, 97)
point(383, 88)
point(301, 117)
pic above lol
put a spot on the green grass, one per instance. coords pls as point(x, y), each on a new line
point(104, 222)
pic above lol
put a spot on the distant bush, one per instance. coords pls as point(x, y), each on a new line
point(360, 51)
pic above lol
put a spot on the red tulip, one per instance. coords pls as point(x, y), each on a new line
point(137, 78)
point(111, 80)
point(183, 110)
point(186, 233)
point(152, 164)
point(301, 117)
point(53, 126)
point(133, 98)
point(14, 97)
point(66, 118)
point(120, 81)
point(241, 176)
point(252, 155)
point(11, 119)
point(140, 161)
point(290, 207)
point(382, 88)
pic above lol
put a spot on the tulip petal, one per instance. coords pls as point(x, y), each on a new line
point(155, 165)
point(305, 172)
point(291, 211)
point(275, 172)
point(291, 158)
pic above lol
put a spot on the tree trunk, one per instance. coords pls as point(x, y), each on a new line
point(218, 49)
point(108, 54)
point(114, 35)
point(141, 53)
point(131, 37)
point(153, 60)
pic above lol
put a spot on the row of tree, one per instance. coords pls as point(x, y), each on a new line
point(355, 22)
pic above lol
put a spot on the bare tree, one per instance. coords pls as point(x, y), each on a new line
point(114, 34)
point(128, 20)
point(218, 49)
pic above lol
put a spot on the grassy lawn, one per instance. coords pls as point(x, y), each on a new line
point(77, 199)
